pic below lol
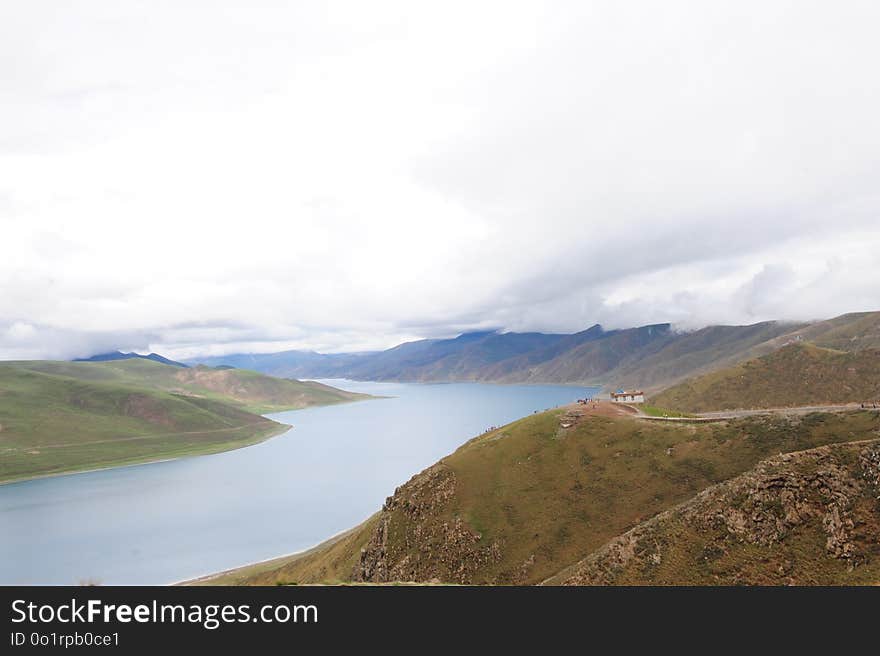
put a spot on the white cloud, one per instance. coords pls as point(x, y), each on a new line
point(201, 176)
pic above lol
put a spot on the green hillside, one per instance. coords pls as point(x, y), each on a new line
point(796, 375)
point(521, 503)
point(64, 416)
point(250, 390)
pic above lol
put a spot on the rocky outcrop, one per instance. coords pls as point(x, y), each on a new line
point(827, 500)
point(419, 538)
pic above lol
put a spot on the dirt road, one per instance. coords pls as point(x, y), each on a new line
point(801, 410)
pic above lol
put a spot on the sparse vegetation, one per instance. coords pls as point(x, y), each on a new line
point(808, 518)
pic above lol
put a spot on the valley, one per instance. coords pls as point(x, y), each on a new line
point(771, 425)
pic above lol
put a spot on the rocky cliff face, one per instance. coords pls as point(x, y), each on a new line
point(412, 541)
point(811, 517)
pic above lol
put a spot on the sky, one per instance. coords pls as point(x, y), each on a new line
point(208, 177)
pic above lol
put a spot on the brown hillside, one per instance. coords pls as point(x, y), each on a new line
point(808, 518)
point(650, 357)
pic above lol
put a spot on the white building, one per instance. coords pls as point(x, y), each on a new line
point(630, 396)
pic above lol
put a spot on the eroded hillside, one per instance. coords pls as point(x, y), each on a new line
point(806, 518)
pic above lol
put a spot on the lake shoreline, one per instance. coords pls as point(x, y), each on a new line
point(215, 521)
point(281, 429)
point(205, 579)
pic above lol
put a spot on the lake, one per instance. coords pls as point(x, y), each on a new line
point(170, 521)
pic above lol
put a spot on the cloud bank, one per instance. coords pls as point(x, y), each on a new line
point(205, 177)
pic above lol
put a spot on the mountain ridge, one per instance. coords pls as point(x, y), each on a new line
point(652, 357)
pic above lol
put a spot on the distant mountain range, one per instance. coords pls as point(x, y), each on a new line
point(119, 355)
point(651, 357)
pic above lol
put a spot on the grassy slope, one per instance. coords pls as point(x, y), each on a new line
point(59, 417)
point(250, 390)
point(542, 497)
point(848, 332)
point(797, 374)
point(332, 561)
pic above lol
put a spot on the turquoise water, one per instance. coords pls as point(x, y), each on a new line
point(168, 521)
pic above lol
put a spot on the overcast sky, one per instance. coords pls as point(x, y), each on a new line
point(208, 177)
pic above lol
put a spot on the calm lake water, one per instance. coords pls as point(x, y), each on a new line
point(169, 521)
